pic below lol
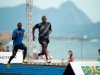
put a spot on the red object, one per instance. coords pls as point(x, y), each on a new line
point(71, 59)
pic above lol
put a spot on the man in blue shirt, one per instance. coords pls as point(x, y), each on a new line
point(17, 38)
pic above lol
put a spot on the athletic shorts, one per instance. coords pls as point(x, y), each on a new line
point(41, 40)
point(20, 46)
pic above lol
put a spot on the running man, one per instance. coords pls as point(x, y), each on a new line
point(44, 31)
point(17, 38)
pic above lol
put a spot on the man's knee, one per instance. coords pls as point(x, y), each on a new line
point(44, 44)
point(25, 48)
point(43, 53)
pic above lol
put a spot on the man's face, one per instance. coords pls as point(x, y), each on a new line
point(44, 19)
point(19, 26)
point(69, 53)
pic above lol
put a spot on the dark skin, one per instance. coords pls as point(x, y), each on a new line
point(19, 26)
point(44, 19)
point(44, 48)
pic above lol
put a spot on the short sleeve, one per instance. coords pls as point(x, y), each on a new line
point(50, 26)
point(36, 26)
point(23, 30)
point(14, 33)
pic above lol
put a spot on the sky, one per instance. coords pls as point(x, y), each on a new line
point(89, 7)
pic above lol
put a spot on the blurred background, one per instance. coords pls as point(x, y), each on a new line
point(75, 26)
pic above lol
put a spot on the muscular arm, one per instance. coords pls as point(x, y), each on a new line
point(14, 37)
point(50, 29)
point(33, 31)
point(16, 34)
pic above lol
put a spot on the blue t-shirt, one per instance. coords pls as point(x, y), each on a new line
point(19, 36)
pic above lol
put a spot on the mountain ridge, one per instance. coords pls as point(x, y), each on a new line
point(66, 20)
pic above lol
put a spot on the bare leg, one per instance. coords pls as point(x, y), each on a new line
point(15, 49)
point(44, 47)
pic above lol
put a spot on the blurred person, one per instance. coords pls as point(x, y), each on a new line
point(44, 31)
point(98, 59)
point(17, 38)
point(1, 47)
point(71, 57)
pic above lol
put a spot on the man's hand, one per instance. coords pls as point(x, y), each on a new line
point(19, 32)
point(14, 37)
point(33, 38)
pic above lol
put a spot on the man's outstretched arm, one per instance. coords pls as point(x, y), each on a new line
point(50, 29)
point(33, 31)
